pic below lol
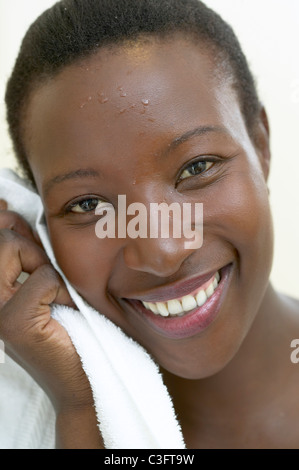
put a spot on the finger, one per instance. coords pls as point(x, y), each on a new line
point(40, 290)
point(29, 309)
point(17, 255)
point(3, 205)
point(63, 297)
point(13, 221)
point(50, 275)
point(15, 248)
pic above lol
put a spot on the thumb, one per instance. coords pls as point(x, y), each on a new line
point(47, 286)
point(31, 303)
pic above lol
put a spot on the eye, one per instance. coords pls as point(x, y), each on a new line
point(195, 168)
point(84, 206)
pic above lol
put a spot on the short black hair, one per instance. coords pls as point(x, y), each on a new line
point(73, 29)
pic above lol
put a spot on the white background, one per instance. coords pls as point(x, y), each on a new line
point(269, 33)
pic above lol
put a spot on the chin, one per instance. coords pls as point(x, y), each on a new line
point(197, 368)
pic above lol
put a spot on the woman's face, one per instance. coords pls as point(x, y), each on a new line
point(154, 123)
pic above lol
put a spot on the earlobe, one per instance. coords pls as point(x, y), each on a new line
point(262, 142)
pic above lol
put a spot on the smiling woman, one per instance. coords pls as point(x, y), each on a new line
point(153, 100)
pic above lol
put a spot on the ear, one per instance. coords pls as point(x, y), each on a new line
point(262, 142)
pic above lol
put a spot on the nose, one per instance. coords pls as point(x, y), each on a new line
point(158, 256)
point(162, 242)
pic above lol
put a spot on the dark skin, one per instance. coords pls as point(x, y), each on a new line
point(233, 385)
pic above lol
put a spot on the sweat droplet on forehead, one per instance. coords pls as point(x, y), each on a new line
point(123, 93)
point(85, 102)
point(102, 98)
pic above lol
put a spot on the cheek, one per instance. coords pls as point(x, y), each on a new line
point(85, 260)
point(251, 213)
point(247, 227)
point(240, 218)
point(239, 212)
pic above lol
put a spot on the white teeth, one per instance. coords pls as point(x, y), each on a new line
point(174, 307)
point(201, 298)
point(188, 303)
point(210, 290)
point(162, 309)
point(185, 304)
point(153, 307)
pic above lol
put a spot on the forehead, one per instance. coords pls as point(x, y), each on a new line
point(125, 95)
point(132, 70)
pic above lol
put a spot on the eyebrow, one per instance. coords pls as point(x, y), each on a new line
point(198, 131)
point(77, 174)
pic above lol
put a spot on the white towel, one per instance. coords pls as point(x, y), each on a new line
point(133, 406)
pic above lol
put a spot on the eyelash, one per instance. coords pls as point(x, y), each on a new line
point(69, 208)
point(191, 167)
point(210, 160)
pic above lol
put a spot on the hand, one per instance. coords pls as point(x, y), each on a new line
point(31, 336)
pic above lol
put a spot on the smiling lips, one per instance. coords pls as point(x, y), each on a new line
point(179, 306)
point(190, 314)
